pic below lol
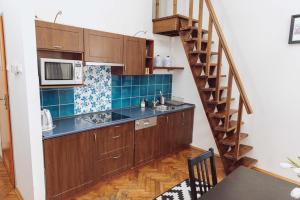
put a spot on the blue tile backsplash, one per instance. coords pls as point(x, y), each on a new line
point(103, 91)
point(128, 91)
point(60, 102)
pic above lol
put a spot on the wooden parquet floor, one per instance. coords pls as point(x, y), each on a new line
point(143, 183)
point(7, 192)
point(147, 181)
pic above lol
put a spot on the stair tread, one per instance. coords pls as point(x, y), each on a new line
point(194, 39)
point(222, 101)
point(244, 149)
point(211, 76)
point(204, 64)
point(193, 28)
point(223, 113)
point(230, 141)
point(212, 89)
point(232, 125)
point(247, 162)
point(203, 52)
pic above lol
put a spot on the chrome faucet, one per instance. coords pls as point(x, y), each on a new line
point(155, 102)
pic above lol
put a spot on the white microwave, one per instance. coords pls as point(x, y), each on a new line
point(60, 72)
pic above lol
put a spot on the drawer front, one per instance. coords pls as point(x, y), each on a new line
point(113, 138)
point(114, 162)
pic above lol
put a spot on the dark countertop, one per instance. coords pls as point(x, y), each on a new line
point(77, 124)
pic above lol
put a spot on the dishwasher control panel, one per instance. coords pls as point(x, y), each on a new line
point(145, 123)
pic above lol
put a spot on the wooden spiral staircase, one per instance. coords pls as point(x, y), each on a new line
point(217, 99)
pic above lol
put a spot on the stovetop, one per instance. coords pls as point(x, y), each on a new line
point(105, 117)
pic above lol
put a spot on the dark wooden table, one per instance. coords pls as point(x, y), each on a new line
point(247, 184)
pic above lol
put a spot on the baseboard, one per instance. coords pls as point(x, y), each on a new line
point(259, 170)
point(18, 194)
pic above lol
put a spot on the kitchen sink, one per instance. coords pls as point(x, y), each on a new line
point(164, 108)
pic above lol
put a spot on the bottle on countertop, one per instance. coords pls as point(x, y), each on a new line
point(143, 103)
point(162, 99)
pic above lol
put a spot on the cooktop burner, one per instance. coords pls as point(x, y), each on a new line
point(100, 118)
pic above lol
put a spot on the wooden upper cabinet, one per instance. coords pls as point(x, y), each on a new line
point(134, 55)
point(103, 47)
point(50, 36)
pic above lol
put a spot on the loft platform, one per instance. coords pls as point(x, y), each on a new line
point(171, 25)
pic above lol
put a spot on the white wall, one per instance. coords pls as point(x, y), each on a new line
point(257, 33)
point(125, 17)
point(24, 98)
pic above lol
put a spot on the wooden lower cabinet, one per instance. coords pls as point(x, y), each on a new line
point(165, 139)
point(145, 145)
point(68, 164)
point(115, 162)
point(175, 131)
point(75, 162)
point(114, 149)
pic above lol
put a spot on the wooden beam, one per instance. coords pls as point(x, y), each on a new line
point(174, 7)
point(157, 7)
point(191, 10)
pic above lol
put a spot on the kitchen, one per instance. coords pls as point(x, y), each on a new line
point(109, 113)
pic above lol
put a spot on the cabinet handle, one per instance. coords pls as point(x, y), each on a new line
point(115, 137)
point(117, 126)
point(116, 157)
point(95, 137)
point(167, 119)
point(57, 47)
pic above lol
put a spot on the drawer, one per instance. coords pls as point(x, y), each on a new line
point(112, 138)
point(114, 162)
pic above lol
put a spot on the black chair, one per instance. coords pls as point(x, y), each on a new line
point(200, 179)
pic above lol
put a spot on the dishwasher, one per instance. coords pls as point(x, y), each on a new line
point(145, 141)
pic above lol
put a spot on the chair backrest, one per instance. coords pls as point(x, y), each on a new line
point(202, 177)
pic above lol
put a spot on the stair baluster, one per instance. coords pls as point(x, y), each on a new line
point(157, 9)
point(228, 100)
point(174, 7)
point(238, 129)
point(191, 10)
point(219, 64)
point(199, 42)
point(208, 47)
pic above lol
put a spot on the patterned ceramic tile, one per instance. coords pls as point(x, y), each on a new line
point(95, 96)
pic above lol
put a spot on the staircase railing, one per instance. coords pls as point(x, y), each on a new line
point(229, 57)
point(232, 74)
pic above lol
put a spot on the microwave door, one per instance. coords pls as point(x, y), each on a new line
point(56, 73)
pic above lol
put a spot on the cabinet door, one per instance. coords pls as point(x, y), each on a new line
point(144, 145)
point(134, 55)
point(68, 164)
point(103, 47)
point(164, 135)
point(113, 138)
point(188, 124)
point(58, 37)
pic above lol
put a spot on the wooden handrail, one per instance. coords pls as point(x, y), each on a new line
point(229, 57)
